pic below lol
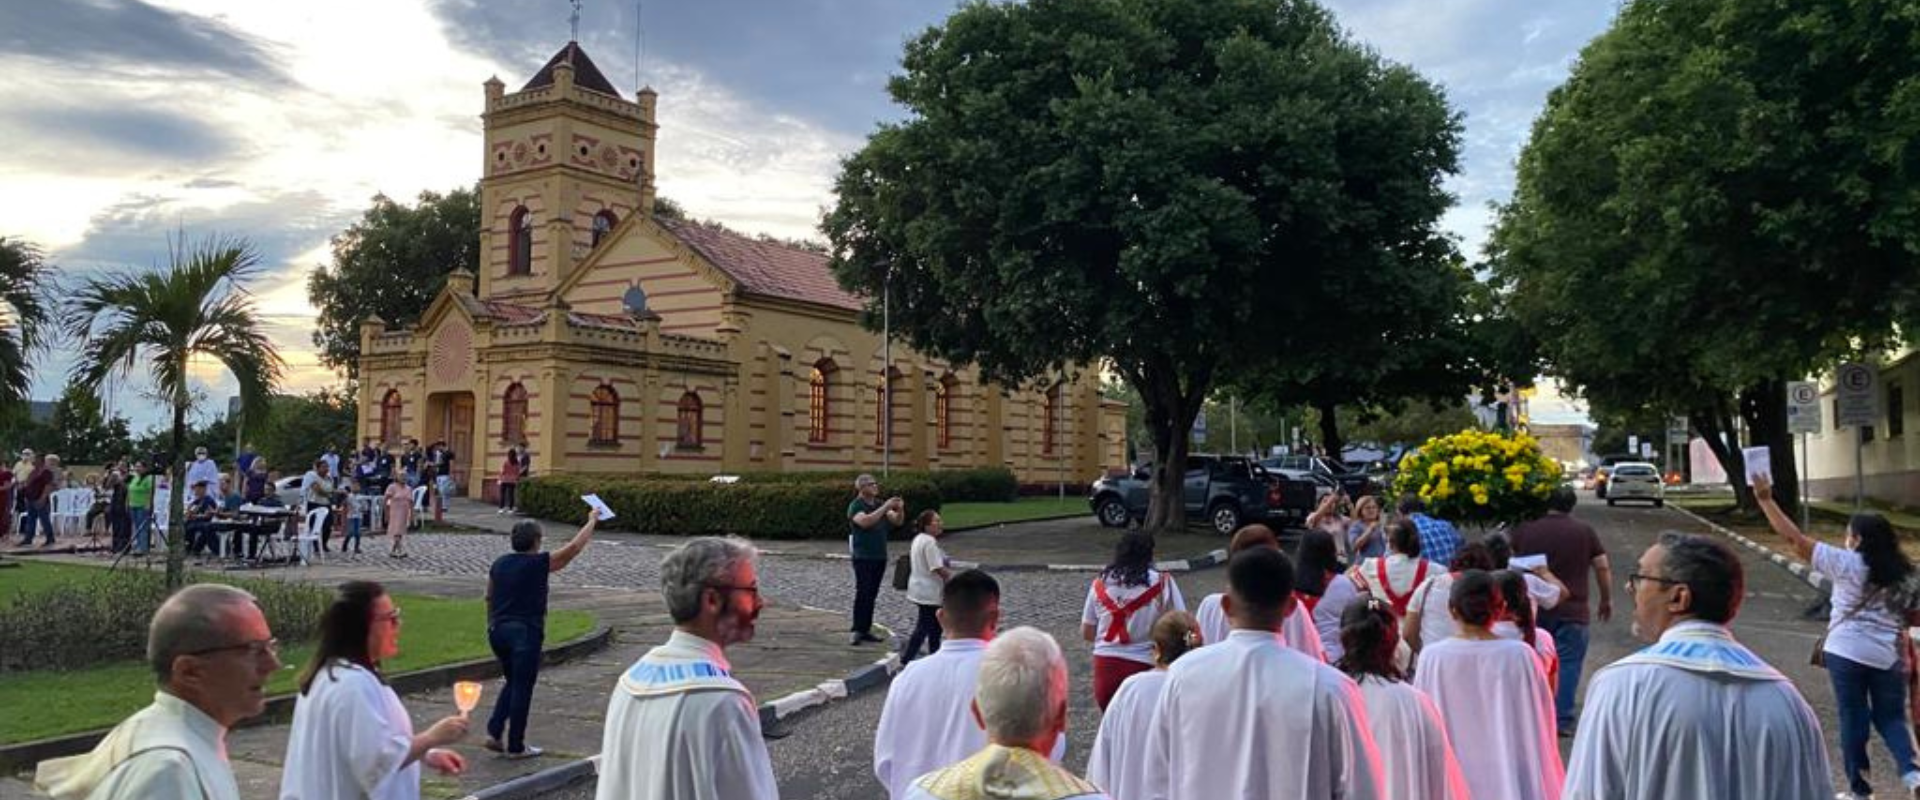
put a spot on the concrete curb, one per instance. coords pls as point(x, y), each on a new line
point(1210, 558)
point(21, 755)
point(869, 677)
point(1804, 572)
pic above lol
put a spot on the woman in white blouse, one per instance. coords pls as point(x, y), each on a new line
point(351, 736)
point(929, 574)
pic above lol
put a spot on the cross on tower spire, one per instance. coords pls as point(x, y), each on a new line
point(574, 21)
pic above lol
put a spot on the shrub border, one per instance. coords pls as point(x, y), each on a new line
point(21, 755)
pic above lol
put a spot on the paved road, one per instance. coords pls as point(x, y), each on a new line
point(829, 754)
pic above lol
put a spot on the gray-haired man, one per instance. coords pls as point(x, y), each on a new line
point(212, 652)
point(1020, 699)
point(870, 521)
point(678, 724)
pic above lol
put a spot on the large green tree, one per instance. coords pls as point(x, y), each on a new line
point(26, 315)
point(391, 264)
point(1162, 188)
point(82, 432)
point(163, 320)
point(1722, 197)
point(297, 427)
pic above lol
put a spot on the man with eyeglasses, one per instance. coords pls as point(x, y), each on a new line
point(212, 652)
point(1696, 714)
point(679, 725)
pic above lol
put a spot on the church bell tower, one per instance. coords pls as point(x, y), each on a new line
point(567, 160)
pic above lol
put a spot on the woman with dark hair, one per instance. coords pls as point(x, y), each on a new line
point(1866, 651)
point(1119, 759)
point(928, 576)
point(351, 737)
point(1394, 577)
point(1490, 691)
point(1118, 616)
point(1321, 585)
point(1416, 758)
point(1427, 620)
point(1517, 623)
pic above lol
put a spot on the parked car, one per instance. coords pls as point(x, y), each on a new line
point(1357, 483)
point(1636, 480)
point(1223, 491)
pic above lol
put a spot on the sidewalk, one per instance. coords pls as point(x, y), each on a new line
point(793, 649)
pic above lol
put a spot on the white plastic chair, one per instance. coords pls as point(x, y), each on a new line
point(59, 503)
point(373, 509)
point(308, 540)
point(79, 501)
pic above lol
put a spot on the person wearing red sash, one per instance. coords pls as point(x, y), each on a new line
point(1394, 577)
point(1119, 613)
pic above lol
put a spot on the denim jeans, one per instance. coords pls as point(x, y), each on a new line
point(1870, 699)
point(36, 512)
point(867, 573)
point(142, 529)
point(1570, 643)
point(925, 629)
point(516, 643)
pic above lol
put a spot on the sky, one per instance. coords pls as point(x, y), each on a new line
point(129, 121)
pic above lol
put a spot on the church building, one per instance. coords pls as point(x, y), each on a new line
point(614, 341)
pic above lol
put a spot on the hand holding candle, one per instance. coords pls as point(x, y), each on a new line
point(466, 695)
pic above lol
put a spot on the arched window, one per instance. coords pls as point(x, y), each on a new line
point(603, 223)
point(513, 414)
point(520, 242)
point(691, 422)
point(943, 411)
point(1050, 423)
point(606, 416)
point(390, 417)
point(818, 424)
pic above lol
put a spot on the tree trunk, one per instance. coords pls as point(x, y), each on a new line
point(1711, 423)
point(1330, 440)
point(1169, 417)
point(176, 500)
point(1764, 405)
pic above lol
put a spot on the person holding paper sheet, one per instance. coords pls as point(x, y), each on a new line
point(517, 627)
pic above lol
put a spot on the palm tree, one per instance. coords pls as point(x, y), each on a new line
point(25, 315)
point(198, 306)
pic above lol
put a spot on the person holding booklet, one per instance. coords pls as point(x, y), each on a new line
point(517, 626)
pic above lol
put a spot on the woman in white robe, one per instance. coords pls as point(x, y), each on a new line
point(1322, 586)
point(1118, 763)
point(1416, 759)
point(351, 737)
point(1490, 691)
point(1517, 623)
point(1296, 632)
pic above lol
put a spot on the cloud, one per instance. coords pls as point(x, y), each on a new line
point(135, 230)
point(118, 134)
point(134, 36)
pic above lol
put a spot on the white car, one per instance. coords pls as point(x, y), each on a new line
point(1636, 480)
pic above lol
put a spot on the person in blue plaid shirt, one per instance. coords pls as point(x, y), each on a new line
point(1439, 540)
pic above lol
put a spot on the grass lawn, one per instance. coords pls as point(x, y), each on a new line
point(967, 515)
point(435, 631)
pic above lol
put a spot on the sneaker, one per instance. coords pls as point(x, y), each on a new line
point(529, 752)
point(855, 640)
point(865, 636)
point(494, 745)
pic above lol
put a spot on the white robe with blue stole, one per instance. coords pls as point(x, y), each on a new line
point(679, 727)
point(1696, 714)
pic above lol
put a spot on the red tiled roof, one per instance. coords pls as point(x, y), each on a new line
point(765, 268)
point(585, 74)
point(509, 313)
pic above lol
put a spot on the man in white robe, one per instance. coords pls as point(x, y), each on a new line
point(212, 651)
point(1251, 718)
point(1298, 632)
point(1697, 714)
point(1020, 698)
point(679, 727)
point(927, 721)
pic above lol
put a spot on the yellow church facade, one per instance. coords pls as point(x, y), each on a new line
point(614, 341)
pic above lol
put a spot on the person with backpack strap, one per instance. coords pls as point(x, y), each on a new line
point(1394, 577)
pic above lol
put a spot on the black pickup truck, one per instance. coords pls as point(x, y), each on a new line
point(1223, 491)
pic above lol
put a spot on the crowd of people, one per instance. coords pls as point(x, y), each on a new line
point(127, 498)
point(1394, 676)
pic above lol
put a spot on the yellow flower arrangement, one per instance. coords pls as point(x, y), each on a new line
point(1505, 477)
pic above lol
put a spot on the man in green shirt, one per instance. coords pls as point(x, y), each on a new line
point(870, 523)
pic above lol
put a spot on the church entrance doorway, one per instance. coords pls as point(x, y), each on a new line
point(450, 415)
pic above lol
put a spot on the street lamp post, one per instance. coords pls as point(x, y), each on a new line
point(886, 374)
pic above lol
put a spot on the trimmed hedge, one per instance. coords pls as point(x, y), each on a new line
point(676, 506)
point(986, 485)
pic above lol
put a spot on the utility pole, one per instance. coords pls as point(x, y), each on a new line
point(886, 374)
